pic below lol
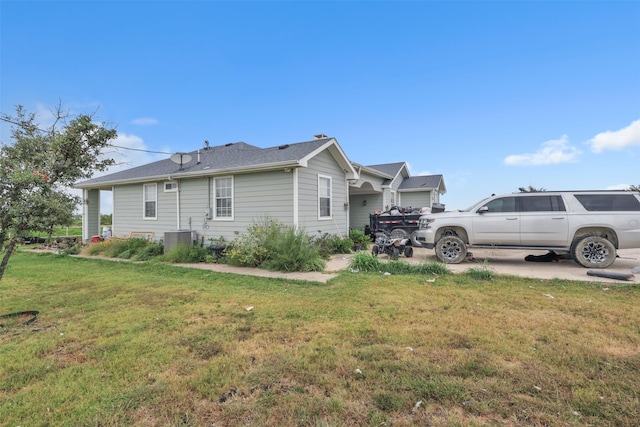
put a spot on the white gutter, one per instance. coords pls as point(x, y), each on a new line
point(206, 172)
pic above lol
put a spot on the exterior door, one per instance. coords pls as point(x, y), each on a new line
point(543, 221)
point(499, 224)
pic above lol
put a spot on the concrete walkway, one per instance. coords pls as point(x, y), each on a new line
point(333, 266)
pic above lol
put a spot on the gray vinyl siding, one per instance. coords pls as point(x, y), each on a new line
point(259, 195)
point(194, 203)
point(359, 214)
point(128, 211)
point(255, 196)
point(416, 199)
point(325, 165)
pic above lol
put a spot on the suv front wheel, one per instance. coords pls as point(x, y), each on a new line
point(593, 251)
point(451, 249)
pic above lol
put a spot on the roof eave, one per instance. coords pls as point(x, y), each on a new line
point(200, 173)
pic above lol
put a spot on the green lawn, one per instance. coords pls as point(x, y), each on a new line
point(119, 343)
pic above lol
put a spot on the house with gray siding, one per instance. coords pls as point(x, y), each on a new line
point(220, 191)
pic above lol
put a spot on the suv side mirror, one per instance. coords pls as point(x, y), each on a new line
point(483, 209)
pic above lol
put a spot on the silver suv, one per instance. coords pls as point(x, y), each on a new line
point(588, 225)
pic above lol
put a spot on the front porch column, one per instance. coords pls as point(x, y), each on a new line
point(90, 214)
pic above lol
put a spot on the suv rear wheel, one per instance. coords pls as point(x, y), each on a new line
point(593, 251)
point(451, 249)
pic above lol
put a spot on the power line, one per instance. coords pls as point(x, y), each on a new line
point(139, 149)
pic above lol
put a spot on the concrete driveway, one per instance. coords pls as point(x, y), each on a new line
point(512, 262)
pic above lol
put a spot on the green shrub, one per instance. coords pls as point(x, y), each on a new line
point(292, 250)
point(126, 254)
point(186, 254)
point(330, 244)
point(358, 236)
point(342, 245)
point(150, 251)
point(272, 245)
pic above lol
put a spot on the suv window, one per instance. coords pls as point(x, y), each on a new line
point(503, 204)
point(608, 202)
point(541, 204)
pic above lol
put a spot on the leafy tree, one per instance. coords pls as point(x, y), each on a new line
point(37, 169)
point(106, 219)
point(634, 188)
point(530, 189)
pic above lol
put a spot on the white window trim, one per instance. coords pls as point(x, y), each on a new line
point(173, 186)
point(144, 201)
point(320, 217)
point(233, 207)
point(393, 198)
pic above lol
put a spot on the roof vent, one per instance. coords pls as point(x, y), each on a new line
point(319, 136)
point(206, 144)
point(282, 147)
point(229, 144)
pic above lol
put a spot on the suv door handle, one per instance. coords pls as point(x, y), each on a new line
point(558, 217)
point(512, 218)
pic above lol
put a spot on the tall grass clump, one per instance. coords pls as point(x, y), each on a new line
point(150, 251)
point(366, 262)
point(186, 254)
point(480, 273)
point(136, 249)
point(272, 245)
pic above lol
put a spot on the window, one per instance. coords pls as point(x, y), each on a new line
point(224, 198)
point(393, 198)
point(541, 204)
point(324, 197)
point(170, 186)
point(150, 201)
point(609, 202)
point(504, 204)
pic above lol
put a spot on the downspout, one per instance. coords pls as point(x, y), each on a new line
point(85, 215)
point(178, 205)
point(346, 185)
point(113, 210)
point(296, 199)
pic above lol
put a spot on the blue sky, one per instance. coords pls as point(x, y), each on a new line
point(493, 95)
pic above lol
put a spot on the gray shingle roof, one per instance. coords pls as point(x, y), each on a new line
point(424, 182)
point(218, 159)
point(388, 168)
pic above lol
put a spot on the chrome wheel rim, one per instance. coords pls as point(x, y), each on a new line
point(595, 253)
point(451, 250)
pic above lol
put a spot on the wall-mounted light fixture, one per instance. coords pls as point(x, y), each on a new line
point(364, 203)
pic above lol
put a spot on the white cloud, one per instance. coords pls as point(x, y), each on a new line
point(616, 140)
point(145, 121)
point(553, 152)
